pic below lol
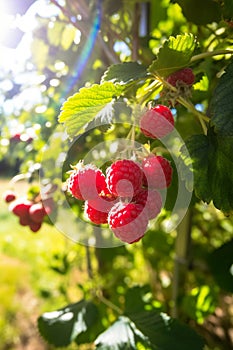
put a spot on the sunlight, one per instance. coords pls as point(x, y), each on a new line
point(6, 21)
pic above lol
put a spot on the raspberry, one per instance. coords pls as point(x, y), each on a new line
point(34, 226)
point(182, 77)
point(151, 201)
point(86, 181)
point(158, 172)
point(20, 207)
point(24, 220)
point(157, 122)
point(128, 221)
point(9, 196)
point(97, 209)
point(124, 178)
point(37, 213)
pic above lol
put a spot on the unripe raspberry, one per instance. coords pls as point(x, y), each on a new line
point(151, 201)
point(97, 209)
point(9, 196)
point(86, 181)
point(158, 172)
point(128, 221)
point(37, 212)
point(157, 122)
point(184, 76)
point(124, 178)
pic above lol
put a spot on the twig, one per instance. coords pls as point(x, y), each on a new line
point(211, 54)
point(135, 32)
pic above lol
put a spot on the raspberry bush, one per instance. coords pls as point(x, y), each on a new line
point(120, 122)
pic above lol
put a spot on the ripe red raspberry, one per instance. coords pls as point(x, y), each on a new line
point(158, 172)
point(157, 122)
point(128, 221)
point(97, 209)
point(124, 178)
point(9, 196)
point(37, 212)
point(151, 201)
point(34, 226)
point(24, 220)
point(86, 181)
point(20, 207)
point(184, 76)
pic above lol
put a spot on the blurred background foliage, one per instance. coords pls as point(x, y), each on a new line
point(49, 50)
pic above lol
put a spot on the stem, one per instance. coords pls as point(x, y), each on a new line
point(210, 54)
point(108, 303)
point(148, 91)
point(201, 117)
point(181, 260)
point(89, 265)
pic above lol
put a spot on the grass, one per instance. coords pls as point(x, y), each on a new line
point(28, 283)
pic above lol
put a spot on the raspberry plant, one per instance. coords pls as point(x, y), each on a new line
point(157, 98)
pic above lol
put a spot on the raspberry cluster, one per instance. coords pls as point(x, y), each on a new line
point(31, 213)
point(126, 198)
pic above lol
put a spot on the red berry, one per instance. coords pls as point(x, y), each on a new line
point(34, 226)
point(9, 196)
point(157, 122)
point(151, 201)
point(20, 207)
point(158, 172)
point(124, 178)
point(24, 220)
point(86, 181)
point(97, 209)
point(184, 76)
point(128, 221)
point(15, 138)
point(37, 212)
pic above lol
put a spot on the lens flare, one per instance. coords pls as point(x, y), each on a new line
point(87, 50)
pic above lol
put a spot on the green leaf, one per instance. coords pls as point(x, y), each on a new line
point(201, 12)
point(68, 36)
point(122, 335)
point(166, 333)
point(134, 298)
point(175, 54)
point(202, 85)
point(200, 302)
point(125, 72)
point(88, 103)
point(221, 107)
point(228, 9)
point(221, 264)
point(55, 33)
point(63, 326)
point(211, 160)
